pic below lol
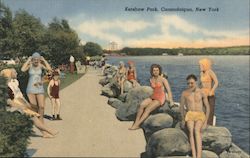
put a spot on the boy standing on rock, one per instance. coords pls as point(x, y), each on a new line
point(193, 98)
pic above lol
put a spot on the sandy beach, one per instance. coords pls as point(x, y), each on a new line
point(89, 127)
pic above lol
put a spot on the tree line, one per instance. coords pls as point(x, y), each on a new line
point(237, 50)
point(22, 34)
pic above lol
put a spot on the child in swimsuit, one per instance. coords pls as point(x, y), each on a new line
point(53, 92)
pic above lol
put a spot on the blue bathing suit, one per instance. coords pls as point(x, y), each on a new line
point(35, 77)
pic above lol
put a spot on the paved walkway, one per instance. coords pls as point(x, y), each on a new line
point(89, 127)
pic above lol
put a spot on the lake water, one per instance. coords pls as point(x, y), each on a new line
point(232, 95)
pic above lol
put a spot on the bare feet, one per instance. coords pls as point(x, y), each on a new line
point(134, 127)
point(47, 135)
point(54, 133)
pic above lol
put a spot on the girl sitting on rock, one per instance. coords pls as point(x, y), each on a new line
point(121, 75)
point(158, 83)
point(131, 74)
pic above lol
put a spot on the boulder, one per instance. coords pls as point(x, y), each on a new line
point(103, 81)
point(234, 152)
point(155, 123)
point(133, 99)
point(168, 142)
point(209, 154)
point(122, 97)
point(216, 139)
point(106, 91)
point(115, 103)
point(226, 154)
point(127, 86)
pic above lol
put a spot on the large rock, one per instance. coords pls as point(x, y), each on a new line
point(103, 81)
point(226, 154)
point(209, 154)
point(122, 97)
point(106, 91)
point(133, 99)
point(216, 139)
point(234, 152)
point(115, 103)
point(127, 86)
point(155, 123)
point(168, 142)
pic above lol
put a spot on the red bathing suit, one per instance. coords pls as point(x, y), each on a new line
point(158, 93)
point(55, 91)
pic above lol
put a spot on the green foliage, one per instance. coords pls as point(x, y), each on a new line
point(62, 42)
point(15, 130)
point(92, 49)
point(240, 50)
point(3, 93)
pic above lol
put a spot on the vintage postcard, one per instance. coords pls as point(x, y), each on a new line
point(134, 78)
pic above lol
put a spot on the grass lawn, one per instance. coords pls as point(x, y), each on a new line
point(69, 79)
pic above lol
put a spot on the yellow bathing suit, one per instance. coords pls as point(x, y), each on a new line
point(195, 116)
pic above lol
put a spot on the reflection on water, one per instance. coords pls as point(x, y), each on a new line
point(232, 95)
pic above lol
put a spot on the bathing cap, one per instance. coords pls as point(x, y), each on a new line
point(36, 55)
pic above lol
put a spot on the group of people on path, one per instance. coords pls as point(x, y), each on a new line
point(34, 108)
point(193, 100)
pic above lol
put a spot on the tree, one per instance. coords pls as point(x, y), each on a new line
point(28, 33)
point(92, 49)
point(62, 41)
point(6, 30)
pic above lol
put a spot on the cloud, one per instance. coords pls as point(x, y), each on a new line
point(102, 30)
point(209, 38)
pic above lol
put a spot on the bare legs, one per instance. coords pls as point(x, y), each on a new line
point(55, 106)
point(195, 130)
point(37, 102)
point(147, 106)
point(121, 83)
point(47, 132)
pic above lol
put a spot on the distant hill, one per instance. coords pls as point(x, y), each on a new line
point(235, 50)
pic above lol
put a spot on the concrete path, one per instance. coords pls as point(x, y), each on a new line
point(89, 127)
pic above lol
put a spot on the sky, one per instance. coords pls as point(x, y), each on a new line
point(103, 21)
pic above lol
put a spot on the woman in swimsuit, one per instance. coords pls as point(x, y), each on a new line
point(53, 93)
point(35, 90)
point(131, 74)
point(209, 83)
point(121, 75)
point(158, 83)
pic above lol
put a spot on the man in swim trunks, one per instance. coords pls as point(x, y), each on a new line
point(193, 98)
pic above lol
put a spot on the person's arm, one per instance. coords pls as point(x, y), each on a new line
point(166, 84)
point(182, 110)
point(215, 80)
point(26, 65)
point(45, 64)
point(206, 104)
point(135, 73)
point(49, 88)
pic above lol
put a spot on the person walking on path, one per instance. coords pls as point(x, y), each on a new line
point(158, 83)
point(72, 64)
point(53, 93)
point(209, 83)
point(193, 98)
point(35, 90)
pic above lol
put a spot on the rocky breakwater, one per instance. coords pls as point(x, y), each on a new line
point(162, 130)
